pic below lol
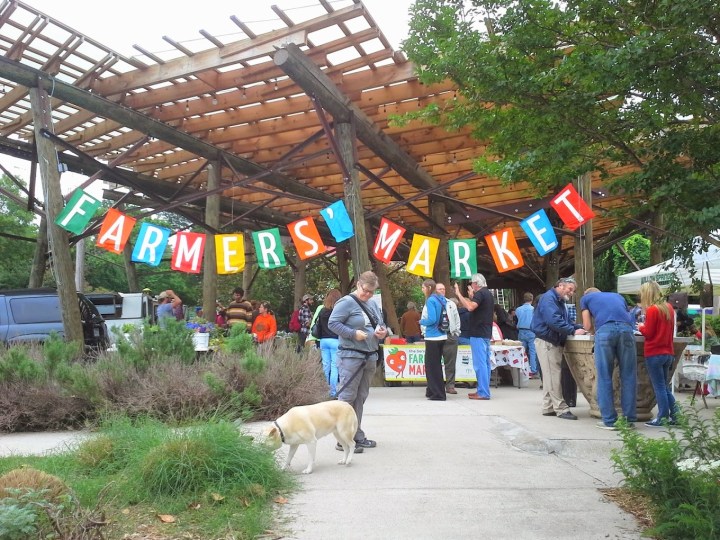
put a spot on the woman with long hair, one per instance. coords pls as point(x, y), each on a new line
point(329, 341)
point(434, 342)
point(658, 330)
point(264, 326)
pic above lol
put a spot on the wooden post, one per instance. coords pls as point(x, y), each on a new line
point(57, 237)
point(584, 262)
point(345, 132)
point(249, 268)
point(131, 270)
point(300, 282)
point(37, 273)
point(212, 218)
point(80, 265)
point(343, 269)
point(441, 272)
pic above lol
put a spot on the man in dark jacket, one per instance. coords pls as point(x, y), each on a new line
point(551, 326)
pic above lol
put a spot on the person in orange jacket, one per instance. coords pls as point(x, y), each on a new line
point(264, 327)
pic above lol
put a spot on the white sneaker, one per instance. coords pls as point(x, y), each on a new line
point(603, 425)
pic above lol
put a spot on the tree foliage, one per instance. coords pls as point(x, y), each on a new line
point(17, 254)
point(559, 89)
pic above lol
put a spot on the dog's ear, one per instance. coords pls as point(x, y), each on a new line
point(273, 430)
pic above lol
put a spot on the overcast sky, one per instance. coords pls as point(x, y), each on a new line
point(120, 25)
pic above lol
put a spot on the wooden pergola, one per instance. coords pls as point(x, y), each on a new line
point(277, 123)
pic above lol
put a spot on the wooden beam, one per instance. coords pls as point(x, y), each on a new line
point(30, 77)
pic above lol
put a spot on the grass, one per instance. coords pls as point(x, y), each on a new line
point(203, 481)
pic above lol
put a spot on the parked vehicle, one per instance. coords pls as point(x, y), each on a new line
point(31, 315)
point(121, 309)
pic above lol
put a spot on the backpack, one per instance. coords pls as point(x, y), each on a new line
point(294, 325)
point(444, 323)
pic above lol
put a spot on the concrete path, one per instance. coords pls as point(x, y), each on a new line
point(449, 470)
point(464, 469)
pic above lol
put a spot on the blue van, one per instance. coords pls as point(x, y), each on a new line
point(31, 315)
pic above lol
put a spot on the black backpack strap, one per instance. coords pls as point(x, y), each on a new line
point(373, 319)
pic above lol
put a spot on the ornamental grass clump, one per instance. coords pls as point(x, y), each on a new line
point(680, 475)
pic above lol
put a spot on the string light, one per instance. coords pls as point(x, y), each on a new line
point(187, 106)
point(454, 158)
point(276, 86)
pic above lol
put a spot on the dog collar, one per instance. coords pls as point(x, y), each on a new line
point(282, 435)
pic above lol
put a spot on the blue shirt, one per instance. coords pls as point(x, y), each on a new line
point(524, 316)
point(606, 307)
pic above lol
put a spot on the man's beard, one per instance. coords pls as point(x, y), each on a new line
point(566, 297)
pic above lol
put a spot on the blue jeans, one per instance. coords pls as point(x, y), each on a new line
point(480, 348)
point(527, 337)
point(328, 353)
point(616, 340)
point(658, 368)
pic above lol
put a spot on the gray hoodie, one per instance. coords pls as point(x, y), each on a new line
point(347, 317)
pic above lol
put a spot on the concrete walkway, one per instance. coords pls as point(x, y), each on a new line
point(456, 469)
point(464, 469)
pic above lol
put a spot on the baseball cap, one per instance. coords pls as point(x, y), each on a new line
point(307, 297)
point(162, 296)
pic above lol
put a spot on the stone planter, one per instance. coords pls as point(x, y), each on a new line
point(580, 359)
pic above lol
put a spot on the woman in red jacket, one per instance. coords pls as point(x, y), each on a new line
point(264, 327)
point(658, 330)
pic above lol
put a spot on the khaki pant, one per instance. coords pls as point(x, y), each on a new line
point(550, 358)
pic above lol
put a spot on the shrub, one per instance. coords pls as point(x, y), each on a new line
point(16, 365)
point(210, 457)
point(57, 352)
point(30, 479)
point(16, 522)
point(261, 383)
point(680, 475)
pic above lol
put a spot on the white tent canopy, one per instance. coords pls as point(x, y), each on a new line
point(671, 270)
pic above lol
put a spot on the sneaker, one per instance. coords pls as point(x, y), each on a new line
point(551, 413)
point(365, 443)
point(603, 425)
point(654, 423)
point(567, 415)
point(358, 449)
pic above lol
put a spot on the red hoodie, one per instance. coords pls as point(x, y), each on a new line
point(658, 331)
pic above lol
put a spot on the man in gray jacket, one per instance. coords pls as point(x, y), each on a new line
point(451, 344)
point(360, 328)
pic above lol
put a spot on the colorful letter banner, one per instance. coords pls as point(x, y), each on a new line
point(269, 249)
point(306, 237)
point(230, 248)
point(571, 208)
point(423, 253)
point(78, 212)
point(540, 231)
point(388, 239)
point(188, 252)
point(151, 243)
point(504, 250)
point(229, 253)
point(338, 220)
point(115, 231)
point(463, 258)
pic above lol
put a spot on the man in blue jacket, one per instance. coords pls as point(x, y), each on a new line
point(551, 326)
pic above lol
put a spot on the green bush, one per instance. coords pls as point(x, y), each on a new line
point(16, 365)
point(56, 352)
point(680, 475)
point(238, 340)
point(16, 522)
point(211, 457)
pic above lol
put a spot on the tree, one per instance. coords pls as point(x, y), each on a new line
point(17, 226)
point(559, 89)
